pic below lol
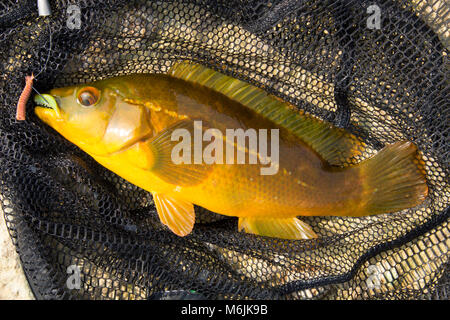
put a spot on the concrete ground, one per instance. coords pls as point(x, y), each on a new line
point(13, 284)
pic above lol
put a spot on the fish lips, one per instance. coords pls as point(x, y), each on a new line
point(46, 102)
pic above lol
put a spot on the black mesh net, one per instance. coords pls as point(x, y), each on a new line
point(382, 84)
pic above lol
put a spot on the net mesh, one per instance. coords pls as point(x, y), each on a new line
point(68, 216)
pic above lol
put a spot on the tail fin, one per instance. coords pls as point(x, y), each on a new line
point(394, 179)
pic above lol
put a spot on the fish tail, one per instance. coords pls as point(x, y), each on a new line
point(393, 179)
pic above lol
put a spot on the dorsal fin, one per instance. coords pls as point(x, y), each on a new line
point(335, 145)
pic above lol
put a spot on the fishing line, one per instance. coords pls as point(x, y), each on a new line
point(46, 61)
point(44, 10)
point(49, 51)
point(40, 95)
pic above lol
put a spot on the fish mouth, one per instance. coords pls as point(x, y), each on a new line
point(47, 101)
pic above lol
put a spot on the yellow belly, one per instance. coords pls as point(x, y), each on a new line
point(298, 188)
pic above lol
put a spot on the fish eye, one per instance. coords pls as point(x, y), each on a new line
point(88, 96)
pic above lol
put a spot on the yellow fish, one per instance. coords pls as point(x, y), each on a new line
point(183, 137)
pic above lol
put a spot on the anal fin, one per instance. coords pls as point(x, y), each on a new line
point(289, 228)
point(178, 215)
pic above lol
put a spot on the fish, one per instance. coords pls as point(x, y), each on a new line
point(135, 124)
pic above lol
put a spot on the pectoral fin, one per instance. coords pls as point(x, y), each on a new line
point(165, 165)
point(178, 215)
point(290, 228)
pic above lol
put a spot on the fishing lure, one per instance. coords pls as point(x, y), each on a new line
point(24, 96)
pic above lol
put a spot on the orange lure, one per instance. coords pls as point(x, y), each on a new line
point(23, 99)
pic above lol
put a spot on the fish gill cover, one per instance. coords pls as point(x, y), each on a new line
point(378, 69)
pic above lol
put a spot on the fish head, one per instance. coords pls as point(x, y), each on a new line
point(101, 118)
